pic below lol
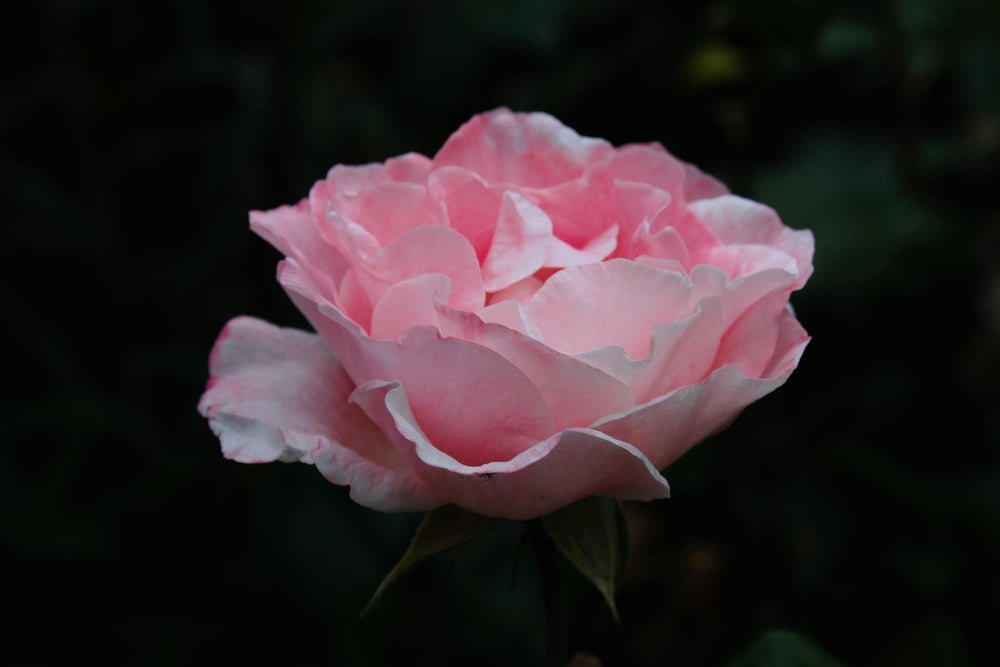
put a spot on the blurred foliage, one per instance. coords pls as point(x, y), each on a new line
point(856, 506)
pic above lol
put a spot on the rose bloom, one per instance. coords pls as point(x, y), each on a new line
point(529, 318)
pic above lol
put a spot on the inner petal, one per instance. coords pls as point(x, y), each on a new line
point(617, 302)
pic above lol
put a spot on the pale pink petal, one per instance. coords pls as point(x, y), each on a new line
point(418, 251)
point(575, 393)
point(388, 210)
point(280, 394)
point(510, 314)
point(697, 237)
point(735, 220)
point(530, 149)
point(668, 426)
point(598, 248)
point(471, 402)
point(666, 244)
point(409, 303)
point(584, 209)
point(557, 471)
point(681, 353)
point(699, 185)
point(472, 204)
point(290, 229)
point(346, 178)
point(643, 163)
point(617, 302)
point(429, 250)
point(750, 342)
point(792, 340)
point(521, 291)
point(739, 259)
point(408, 168)
point(521, 242)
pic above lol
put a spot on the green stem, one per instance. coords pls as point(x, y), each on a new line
point(556, 643)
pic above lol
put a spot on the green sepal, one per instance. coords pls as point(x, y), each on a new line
point(782, 648)
point(595, 540)
point(442, 528)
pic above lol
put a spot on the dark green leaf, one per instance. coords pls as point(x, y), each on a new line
point(441, 529)
point(593, 540)
point(781, 648)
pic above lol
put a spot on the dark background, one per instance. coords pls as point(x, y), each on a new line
point(859, 505)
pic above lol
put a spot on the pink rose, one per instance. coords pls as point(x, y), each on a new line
point(527, 319)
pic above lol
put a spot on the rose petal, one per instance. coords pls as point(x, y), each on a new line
point(584, 209)
point(617, 302)
point(666, 244)
point(280, 394)
point(521, 242)
point(408, 304)
point(417, 252)
point(388, 210)
point(699, 185)
point(735, 220)
point(292, 232)
point(521, 291)
point(598, 248)
point(668, 426)
point(530, 149)
point(561, 469)
point(643, 163)
point(575, 393)
point(473, 404)
point(408, 168)
point(681, 353)
point(472, 204)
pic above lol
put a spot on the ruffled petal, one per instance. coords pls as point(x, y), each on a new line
point(529, 149)
point(290, 229)
point(584, 209)
point(669, 425)
point(735, 220)
point(280, 394)
point(555, 472)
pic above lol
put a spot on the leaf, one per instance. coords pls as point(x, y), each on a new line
point(442, 528)
point(594, 540)
point(782, 648)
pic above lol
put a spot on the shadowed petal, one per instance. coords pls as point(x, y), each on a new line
point(280, 394)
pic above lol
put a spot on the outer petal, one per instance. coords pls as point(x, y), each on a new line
point(530, 149)
point(290, 229)
point(280, 394)
point(668, 426)
point(557, 471)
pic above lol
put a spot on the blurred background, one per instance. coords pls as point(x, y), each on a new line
point(858, 506)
